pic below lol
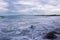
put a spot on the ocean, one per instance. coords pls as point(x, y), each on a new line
point(27, 27)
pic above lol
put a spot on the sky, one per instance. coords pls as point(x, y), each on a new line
point(29, 7)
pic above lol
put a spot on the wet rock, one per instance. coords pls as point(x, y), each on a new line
point(51, 35)
point(32, 27)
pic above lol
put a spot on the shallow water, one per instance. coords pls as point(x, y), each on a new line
point(27, 27)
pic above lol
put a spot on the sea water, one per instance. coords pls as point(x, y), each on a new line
point(27, 27)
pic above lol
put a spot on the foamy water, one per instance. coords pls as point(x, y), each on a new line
point(27, 27)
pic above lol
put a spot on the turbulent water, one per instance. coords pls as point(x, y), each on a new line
point(27, 27)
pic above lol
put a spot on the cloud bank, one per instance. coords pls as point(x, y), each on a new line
point(32, 7)
point(3, 6)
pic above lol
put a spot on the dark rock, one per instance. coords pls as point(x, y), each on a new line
point(32, 27)
point(50, 35)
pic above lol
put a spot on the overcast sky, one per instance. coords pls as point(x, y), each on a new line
point(29, 7)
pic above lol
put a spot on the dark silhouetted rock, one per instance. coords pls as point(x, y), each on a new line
point(32, 27)
point(50, 35)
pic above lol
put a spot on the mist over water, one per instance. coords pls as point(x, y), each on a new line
point(27, 27)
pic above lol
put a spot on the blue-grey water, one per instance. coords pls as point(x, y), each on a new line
point(27, 27)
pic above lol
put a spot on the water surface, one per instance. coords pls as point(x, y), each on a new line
point(27, 27)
